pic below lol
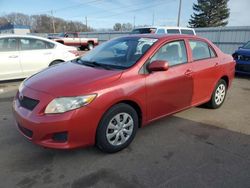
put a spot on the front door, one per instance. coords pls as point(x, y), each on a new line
point(169, 91)
point(9, 59)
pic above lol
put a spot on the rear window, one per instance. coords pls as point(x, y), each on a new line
point(187, 31)
point(173, 31)
point(143, 30)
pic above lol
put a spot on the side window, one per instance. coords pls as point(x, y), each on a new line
point(187, 31)
point(34, 44)
point(70, 35)
point(174, 52)
point(173, 31)
point(160, 31)
point(200, 50)
point(8, 44)
point(24, 44)
point(49, 45)
point(37, 44)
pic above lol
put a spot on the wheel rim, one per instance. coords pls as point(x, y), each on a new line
point(220, 94)
point(120, 129)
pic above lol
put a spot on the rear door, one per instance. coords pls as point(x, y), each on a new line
point(9, 59)
point(35, 54)
point(205, 69)
point(169, 91)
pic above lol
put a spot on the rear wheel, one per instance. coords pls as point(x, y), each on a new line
point(219, 95)
point(55, 62)
point(117, 128)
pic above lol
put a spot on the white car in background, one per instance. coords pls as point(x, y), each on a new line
point(164, 30)
point(23, 55)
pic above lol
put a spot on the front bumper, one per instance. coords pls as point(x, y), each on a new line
point(79, 126)
point(242, 67)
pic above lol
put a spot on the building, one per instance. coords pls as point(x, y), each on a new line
point(14, 29)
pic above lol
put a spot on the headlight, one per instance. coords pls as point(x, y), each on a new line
point(64, 104)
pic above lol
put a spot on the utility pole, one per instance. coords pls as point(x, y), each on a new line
point(179, 14)
point(53, 21)
point(86, 22)
point(153, 19)
point(134, 21)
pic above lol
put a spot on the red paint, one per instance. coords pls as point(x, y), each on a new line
point(157, 94)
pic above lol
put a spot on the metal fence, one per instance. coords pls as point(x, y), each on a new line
point(228, 39)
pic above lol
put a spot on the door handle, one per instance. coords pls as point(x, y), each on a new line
point(48, 53)
point(216, 64)
point(188, 72)
point(13, 56)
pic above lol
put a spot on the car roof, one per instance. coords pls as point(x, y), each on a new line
point(164, 27)
point(25, 36)
point(163, 37)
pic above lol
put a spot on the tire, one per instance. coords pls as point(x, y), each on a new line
point(90, 46)
point(55, 62)
point(219, 95)
point(113, 136)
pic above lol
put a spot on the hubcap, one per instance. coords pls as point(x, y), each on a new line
point(119, 129)
point(220, 94)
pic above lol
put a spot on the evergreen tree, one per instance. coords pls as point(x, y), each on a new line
point(210, 13)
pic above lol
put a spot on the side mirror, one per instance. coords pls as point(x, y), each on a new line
point(158, 65)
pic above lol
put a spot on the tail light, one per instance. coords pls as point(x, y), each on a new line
point(75, 52)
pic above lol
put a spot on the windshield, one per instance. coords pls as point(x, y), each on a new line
point(119, 53)
point(247, 45)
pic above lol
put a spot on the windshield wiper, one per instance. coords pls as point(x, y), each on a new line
point(93, 64)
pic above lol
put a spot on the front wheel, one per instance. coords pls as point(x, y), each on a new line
point(90, 46)
point(117, 128)
point(219, 95)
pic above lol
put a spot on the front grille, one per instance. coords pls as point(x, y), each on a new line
point(25, 131)
point(27, 102)
point(243, 67)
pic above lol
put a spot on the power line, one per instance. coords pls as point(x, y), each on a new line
point(119, 8)
point(138, 9)
point(68, 7)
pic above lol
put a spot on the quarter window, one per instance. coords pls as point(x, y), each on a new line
point(34, 44)
point(201, 50)
point(174, 53)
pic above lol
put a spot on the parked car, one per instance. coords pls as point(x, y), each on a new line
point(242, 58)
point(106, 97)
point(22, 55)
point(164, 30)
point(74, 39)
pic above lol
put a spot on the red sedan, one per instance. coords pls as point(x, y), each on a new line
point(103, 97)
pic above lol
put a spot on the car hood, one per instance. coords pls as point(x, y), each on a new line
point(71, 79)
point(242, 51)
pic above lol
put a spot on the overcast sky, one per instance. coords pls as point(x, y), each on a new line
point(105, 13)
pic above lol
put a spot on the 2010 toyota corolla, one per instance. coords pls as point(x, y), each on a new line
point(103, 97)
